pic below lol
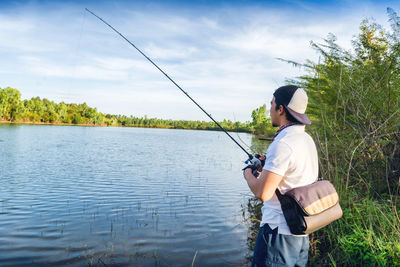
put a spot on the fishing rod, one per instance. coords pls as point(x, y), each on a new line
point(252, 159)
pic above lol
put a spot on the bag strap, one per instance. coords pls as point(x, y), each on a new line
point(282, 199)
point(278, 194)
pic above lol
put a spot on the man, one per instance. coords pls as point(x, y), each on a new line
point(291, 161)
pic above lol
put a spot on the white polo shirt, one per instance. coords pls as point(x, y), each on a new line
point(292, 155)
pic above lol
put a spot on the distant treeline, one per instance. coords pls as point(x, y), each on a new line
point(37, 110)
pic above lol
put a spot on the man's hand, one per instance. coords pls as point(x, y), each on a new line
point(261, 158)
point(260, 161)
point(252, 169)
point(247, 172)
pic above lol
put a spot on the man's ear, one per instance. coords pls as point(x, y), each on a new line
point(281, 110)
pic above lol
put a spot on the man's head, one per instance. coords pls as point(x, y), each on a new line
point(288, 106)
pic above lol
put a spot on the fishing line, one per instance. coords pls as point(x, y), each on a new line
point(166, 75)
point(75, 58)
point(237, 134)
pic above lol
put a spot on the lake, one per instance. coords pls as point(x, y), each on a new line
point(83, 196)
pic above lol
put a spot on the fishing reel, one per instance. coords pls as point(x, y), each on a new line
point(256, 163)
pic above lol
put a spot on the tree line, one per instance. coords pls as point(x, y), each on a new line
point(37, 110)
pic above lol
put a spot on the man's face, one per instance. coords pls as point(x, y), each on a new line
point(274, 114)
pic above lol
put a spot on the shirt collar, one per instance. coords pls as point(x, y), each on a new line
point(288, 128)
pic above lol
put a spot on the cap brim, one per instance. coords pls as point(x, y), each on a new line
point(302, 118)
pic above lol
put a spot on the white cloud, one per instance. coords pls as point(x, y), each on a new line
point(12, 24)
point(45, 68)
point(175, 53)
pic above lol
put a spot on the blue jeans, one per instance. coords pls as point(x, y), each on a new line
point(273, 249)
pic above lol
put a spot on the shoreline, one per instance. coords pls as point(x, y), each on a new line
point(50, 123)
point(104, 125)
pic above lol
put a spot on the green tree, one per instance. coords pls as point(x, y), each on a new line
point(11, 106)
point(61, 110)
point(36, 107)
point(261, 124)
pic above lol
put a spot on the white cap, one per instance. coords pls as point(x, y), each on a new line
point(296, 99)
point(299, 101)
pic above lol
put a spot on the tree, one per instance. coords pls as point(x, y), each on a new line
point(11, 106)
point(261, 124)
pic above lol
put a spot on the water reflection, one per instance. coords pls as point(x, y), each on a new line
point(251, 211)
point(258, 145)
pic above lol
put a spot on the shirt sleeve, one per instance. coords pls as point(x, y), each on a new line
point(278, 158)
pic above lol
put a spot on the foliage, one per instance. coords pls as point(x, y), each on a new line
point(354, 98)
point(252, 215)
point(367, 235)
point(261, 124)
point(37, 110)
point(10, 104)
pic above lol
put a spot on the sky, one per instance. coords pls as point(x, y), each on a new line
point(224, 54)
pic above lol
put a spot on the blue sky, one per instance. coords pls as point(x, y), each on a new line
point(223, 53)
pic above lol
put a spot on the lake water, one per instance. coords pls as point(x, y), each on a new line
point(82, 196)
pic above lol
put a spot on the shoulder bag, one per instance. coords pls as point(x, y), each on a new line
point(311, 207)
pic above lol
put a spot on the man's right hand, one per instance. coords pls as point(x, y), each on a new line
point(254, 169)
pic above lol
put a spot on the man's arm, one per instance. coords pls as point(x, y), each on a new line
point(265, 186)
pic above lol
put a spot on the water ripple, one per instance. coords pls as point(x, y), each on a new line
point(75, 196)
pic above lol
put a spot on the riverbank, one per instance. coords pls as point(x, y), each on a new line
point(48, 123)
point(116, 125)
